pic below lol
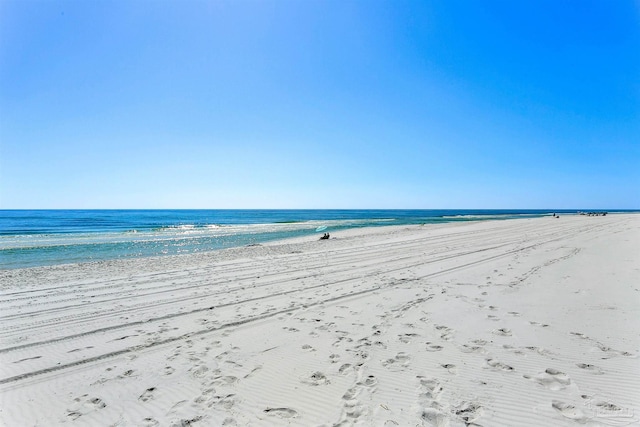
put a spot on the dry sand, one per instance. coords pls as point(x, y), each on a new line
point(530, 322)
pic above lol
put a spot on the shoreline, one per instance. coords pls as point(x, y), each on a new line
point(136, 234)
point(509, 322)
point(294, 239)
point(368, 230)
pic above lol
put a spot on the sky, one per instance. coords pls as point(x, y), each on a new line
point(320, 104)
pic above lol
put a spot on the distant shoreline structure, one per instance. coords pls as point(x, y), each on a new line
point(593, 213)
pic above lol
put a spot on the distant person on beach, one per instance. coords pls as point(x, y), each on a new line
point(325, 237)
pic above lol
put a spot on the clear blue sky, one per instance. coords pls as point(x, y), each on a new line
point(320, 104)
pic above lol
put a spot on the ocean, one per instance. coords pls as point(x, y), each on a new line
point(30, 238)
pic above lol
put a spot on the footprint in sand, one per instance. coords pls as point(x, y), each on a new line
point(186, 422)
point(468, 412)
point(431, 410)
point(569, 411)
point(96, 403)
point(612, 352)
point(369, 381)
point(281, 412)
point(607, 406)
point(345, 368)
point(227, 380)
point(468, 348)
point(498, 366)
point(362, 354)
point(407, 338)
point(342, 340)
point(505, 332)
point(433, 347)
point(513, 349)
point(83, 406)
point(446, 332)
point(125, 374)
point(551, 379)
point(401, 360)
point(150, 422)
point(450, 367)
point(580, 335)
point(147, 395)
point(434, 417)
point(541, 351)
point(352, 407)
point(199, 371)
point(591, 368)
point(227, 401)
point(380, 344)
point(542, 325)
point(363, 342)
point(431, 389)
point(316, 379)
point(206, 396)
point(350, 394)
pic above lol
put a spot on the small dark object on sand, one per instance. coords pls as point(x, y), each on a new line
point(325, 237)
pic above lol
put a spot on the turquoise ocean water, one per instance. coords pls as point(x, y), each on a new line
point(30, 238)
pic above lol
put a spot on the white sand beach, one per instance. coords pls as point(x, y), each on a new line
point(528, 322)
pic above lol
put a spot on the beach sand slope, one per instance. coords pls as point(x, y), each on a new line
point(524, 322)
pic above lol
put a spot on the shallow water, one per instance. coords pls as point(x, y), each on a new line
point(31, 238)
